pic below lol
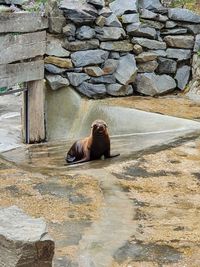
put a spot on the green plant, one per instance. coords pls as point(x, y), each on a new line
point(35, 6)
point(3, 90)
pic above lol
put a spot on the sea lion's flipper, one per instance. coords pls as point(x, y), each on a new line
point(86, 159)
point(70, 159)
point(108, 155)
point(114, 155)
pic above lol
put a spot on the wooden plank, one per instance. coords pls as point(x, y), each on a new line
point(23, 46)
point(13, 91)
point(22, 22)
point(12, 74)
point(36, 112)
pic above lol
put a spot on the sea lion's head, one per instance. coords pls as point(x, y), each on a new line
point(99, 127)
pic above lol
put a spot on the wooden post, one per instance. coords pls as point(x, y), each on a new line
point(34, 114)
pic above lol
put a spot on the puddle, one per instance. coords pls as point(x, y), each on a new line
point(137, 251)
point(61, 191)
point(69, 117)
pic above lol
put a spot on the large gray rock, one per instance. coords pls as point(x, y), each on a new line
point(197, 43)
point(142, 31)
point(100, 21)
point(179, 41)
point(166, 66)
point(154, 24)
point(110, 33)
point(24, 241)
point(146, 56)
point(92, 90)
point(94, 71)
point(120, 7)
point(152, 5)
point(170, 24)
point(77, 78)
point(196, 67)
point(152, 84)
point(79, 11)
point(137, 49)
point(55, 47)
point(65, 63)
point(15, 2)
point(147, 14)
point(112, 21)
point(194, 92)
point(130, 18)
point(127, 70)
point(182, 76)
point(107, 79)
point(81, 45)
point(85, 33)
point(69, 30)
point(105, 12)
point(114, 55)
point(177, 31)
point(89, 57)
point(132, 27)
point(179, 54)
point(192, 28)
point(182, 14)
point(97, 3)
point(119, 90)
point(54, 69)
point(149, 66)
point(5, 8)
point(56, 81)
point(150, 44)
point(56, 19)
point(119, 46)
point(159, 53)
point(110, 66)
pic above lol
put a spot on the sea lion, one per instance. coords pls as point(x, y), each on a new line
point(92, 147)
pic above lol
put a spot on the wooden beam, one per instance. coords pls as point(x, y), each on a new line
point(10, 92)
point(35, 113)
point(21, 46)
point(12, 74)
point(22, 22)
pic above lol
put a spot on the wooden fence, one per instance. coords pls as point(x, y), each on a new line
point(22, 46)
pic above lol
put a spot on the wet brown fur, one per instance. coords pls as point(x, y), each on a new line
point(92, 147)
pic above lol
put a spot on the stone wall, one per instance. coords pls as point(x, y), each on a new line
point(122, 49)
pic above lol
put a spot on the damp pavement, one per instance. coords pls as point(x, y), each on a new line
point(138, 210)
point(10, 119)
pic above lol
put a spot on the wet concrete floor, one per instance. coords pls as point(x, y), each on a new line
point(139, 210)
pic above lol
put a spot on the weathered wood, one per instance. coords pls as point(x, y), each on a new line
point(11, 74)
point(23, 46)
point(22, 22)
point(36, 112)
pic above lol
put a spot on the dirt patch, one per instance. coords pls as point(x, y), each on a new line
point(178, 106)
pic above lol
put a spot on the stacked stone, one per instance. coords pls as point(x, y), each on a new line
point(93, 55)
point(12, 5)
point(129, 44)
point(168, 38)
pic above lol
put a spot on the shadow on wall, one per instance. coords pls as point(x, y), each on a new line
point(76, 115)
